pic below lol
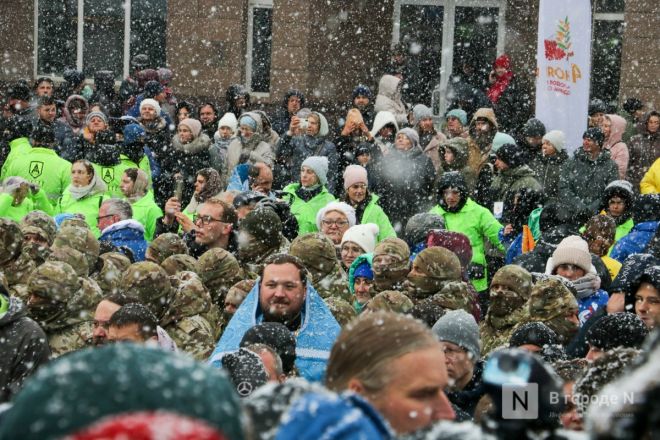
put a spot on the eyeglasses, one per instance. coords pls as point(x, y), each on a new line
point(338, 223)
point(105, 216)
point(206, 220)
point(359, 186)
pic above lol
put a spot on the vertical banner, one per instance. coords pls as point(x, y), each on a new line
point(563, 58)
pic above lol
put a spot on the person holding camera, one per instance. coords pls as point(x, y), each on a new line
point(18, 197)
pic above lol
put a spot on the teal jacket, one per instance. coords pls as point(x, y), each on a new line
point(305, 212)
point(30, 203)
point(88, 206)
point(369, 258)
point(373, 213)
point(147, 212)
point(477, 223)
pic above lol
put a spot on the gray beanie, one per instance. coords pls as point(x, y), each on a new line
point(556, 138)
point(460, 328)
point(318, 164)
point(420, 111)
point(410, 134)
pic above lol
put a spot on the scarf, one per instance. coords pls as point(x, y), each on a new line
point(309, 192)
point(212, 186)
point(501, 83)
point(96, 186)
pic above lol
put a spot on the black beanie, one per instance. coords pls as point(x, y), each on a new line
point(534, 333)
point(106, 137)
point(595, 134)
point(152, 88)
point(43, 134)
point(646, 208)
point(246, 371)
point(19, 90)
point(511, 154)
point(617, 330)
point(18, 127)
point(276, 336)
point(534, 128)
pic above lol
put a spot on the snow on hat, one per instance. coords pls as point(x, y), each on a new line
point(511, 154)
point(556, 138)
point(364, 236)
point(621, 329)
point(459, 114)
point(410, 134)
point(318, 164)
point(153, 88)
point(228, 120)
point(133, 133)
point(501, 139)
point(249, 121)
point(101, 115)
point(363, 270)
point(193, 124)
point(534, 127)
point(152, 103)
point(460, 328)
point(534, 333)
point(572, 250)
point(355, 174)
point(595, 134)
point(276, 336)
point(420, 111)
point(362, 90)
point(342, 207)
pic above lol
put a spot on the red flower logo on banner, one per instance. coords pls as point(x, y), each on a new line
point(560, 47)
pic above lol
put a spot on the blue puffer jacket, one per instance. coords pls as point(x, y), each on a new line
point(332, 417)
point(317, 333)
point(635, 242)
point(129, 233)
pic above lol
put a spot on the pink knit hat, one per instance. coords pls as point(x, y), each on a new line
point(194, 125)
point(354, 174)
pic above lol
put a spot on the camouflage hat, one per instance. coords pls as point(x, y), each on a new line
point(109, 276)
point(438, 263)
point(219, 268)
point(11, 240)
point(34, 230)
point(72, 257)
point(263, 224)
point(454, 295)
point(120, 261)
point(190, 298)
point(54, 280)
point(514, 278)
point(43, 221)
point(4, 285)
point(80, 239)
point(394, 247)
point(74, 221)
point(341, 310)
point(550, 298)
point(149, 283)
point(239, 291)
point(178, 263)
point(165, 245)
point(317, 253)
point(390, 301)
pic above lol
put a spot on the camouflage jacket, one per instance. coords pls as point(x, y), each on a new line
point(496, 334)
point(75, 337)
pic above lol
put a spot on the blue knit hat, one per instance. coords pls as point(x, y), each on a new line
point(247, 120)
point(133, 133)
point(364, 271)
point(458, 114)
point(362, 90)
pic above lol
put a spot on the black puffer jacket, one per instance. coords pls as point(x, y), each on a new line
point(548, 172)
point(24, 348)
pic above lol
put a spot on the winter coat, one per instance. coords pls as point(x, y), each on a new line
point(147, 213)
point(157, 145)
point(255, 148)
point(512, 180)
point(23, 350)
point(404, 181)
point(373, 213)
point(588, 306)
point(282, 118)
point(17, 148)
point(317, 333)
point(432, 148)
point(617, 148)
point(477, 223)
point(459, 146)
point(305, 211)
point(88, 206)
point(111, 174)
point(129, 233)
point(30, 203)
point(185, 159)
point(635, 242)
point(44, 167)
point(548, 172)
point(291, 152)
point(383, 119)
point(389, 99)
point(66, 141)
point(651, 182)
point(583, 181)
point(644, 149)
point(513, 108)
point(218, 153)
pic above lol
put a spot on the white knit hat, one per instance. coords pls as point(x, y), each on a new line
point(319, 164)
point(342, 207)
point(556, 138)
point(152, 103)
point(364, 236)
point(228, 120)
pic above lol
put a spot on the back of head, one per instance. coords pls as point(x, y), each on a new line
point(646, 208)
point(165, 245)
point(419, 225)
point(149, 283)
point(317, 253)
point(276, 336)
point(617, 330)
point(349, 359)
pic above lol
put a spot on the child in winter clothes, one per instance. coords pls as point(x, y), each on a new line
point(227, 127)
point(572, 261)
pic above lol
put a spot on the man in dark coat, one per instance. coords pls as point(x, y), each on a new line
point(293, 101)
point(24, 345)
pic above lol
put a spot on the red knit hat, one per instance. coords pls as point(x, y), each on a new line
point(503, 61)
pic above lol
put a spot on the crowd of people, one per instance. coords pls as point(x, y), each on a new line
point(245, 273)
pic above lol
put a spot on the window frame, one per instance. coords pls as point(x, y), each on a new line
point(252, 5)
point(448, 29)
point(80, 26)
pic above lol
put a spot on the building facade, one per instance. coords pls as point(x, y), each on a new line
point(323, 48)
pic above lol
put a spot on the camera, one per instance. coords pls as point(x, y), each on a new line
point(304, 124)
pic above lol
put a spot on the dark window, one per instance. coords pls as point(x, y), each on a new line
point(606, 59)
point(57, 36)
point(475, 44)
point(103, 37)
point(262, 41)
point(149, 29)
